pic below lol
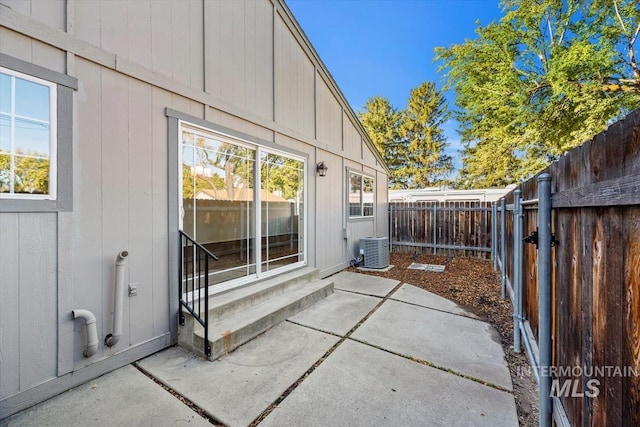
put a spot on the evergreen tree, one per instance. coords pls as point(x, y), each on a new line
point(382, 121)
point(411, 141)
point(425, 163)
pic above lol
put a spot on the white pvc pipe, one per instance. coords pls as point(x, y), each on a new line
point(113, 338)
point(92, 331)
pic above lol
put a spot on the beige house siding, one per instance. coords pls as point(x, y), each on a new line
point(329, 118)
point(249, 69)
point(294, 82)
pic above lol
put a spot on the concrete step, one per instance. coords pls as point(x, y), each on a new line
point(242, 314)
point(229, 303)
point(229, 333)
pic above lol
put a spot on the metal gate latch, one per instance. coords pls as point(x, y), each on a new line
point(533, 238)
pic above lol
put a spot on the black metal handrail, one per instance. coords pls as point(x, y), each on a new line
point(194, 270)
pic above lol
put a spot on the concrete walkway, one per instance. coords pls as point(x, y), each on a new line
point(372, 354)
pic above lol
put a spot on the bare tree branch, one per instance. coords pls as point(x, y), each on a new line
point(615, 5)
point(635, 35)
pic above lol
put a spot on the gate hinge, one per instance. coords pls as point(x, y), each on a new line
point(533, 239)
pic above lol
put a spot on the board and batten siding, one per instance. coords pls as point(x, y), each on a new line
point(294, 82)
point(162, 36)
point(330, 213)
point(329, 118)
point(120, 202)
point(241, 65)
point(33, 51)
point(51, 13)
point(351, 140)
point(227, 120)
point(28, 306)
point(239, 54)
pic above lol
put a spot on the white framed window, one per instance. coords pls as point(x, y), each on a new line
point(361, 195)
point(28, 137)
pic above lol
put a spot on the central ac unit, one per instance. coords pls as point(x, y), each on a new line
point(376, 252)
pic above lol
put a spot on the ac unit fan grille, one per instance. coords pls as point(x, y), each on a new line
point(376, 252)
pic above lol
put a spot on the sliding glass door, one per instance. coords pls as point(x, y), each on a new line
point(282, 210)
point(244, 203)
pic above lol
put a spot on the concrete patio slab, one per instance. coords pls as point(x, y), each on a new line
point(363, 283)
point(467, 346)
point(415, 295)
point(236, 388)
point(338, 313)
point(358, 385)
point(125, 397)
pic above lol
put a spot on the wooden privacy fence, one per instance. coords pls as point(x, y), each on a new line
point(594, 286)
point(451, 228)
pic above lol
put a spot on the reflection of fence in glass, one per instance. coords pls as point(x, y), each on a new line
point(223, 228)
point(222, 220)
point(367, 196)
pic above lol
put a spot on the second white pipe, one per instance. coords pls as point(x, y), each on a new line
point(113, 338)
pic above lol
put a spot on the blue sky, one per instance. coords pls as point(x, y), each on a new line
point(386, 47)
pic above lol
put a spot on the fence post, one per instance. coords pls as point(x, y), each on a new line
point(517, 270)
point(544, 292)
point(435, 222)
point(503, 247)
point(494, 235)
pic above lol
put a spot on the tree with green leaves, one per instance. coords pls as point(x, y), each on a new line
point(282, 176)
point(425, 163)
point(411, 141)
point(549, 75)
point(30, 173)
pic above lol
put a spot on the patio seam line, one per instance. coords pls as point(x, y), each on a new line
point(404, 356)
point(328, 353)
point(440, 310)
point(432, 365)
point(362, 293)
point(202, 412)
point(293, 322)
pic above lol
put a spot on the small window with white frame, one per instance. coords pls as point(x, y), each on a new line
point(28, 147)
point(361, 195)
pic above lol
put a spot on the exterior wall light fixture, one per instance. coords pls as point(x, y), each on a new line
point(322, 168)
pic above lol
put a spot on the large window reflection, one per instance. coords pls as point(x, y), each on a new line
point(282, 201)
point(220, 204)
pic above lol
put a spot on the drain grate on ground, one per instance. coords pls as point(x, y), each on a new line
point(426, 267)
